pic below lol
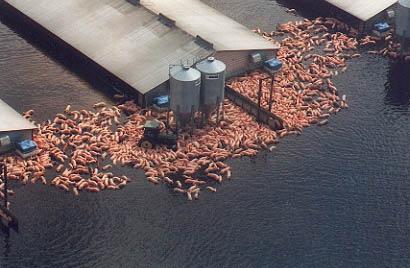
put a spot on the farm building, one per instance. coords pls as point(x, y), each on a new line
point(362, 14)
point(13, 128)
point(136, 42)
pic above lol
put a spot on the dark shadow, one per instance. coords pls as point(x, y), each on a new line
point(307, 8)
point(398, 84)
point(312, 9)
point(6, 232)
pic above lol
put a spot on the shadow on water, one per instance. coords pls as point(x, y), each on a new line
point(5, 233)
point(398, 85)
point(312, 9)
point(308, 8)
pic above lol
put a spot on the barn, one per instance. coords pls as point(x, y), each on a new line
point(135, 42)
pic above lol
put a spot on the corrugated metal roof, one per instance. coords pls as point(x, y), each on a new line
point(10, 120)
point(197, 18)
point(129, 41)
point(362, 9)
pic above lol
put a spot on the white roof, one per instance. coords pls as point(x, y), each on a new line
point(197, 18)
point(405, 3)
point(363, 9)
point(128, 41)
point(10, 120)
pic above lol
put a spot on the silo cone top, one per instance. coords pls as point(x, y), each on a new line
point(185, 73)
point(211, 66)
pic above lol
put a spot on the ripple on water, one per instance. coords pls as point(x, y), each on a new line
point(336, 196)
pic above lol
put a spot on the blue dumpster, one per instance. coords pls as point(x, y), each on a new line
point(273, 65)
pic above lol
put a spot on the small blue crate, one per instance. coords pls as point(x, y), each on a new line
point(26, 146)
point(273, 65)
point(161, 101)
point(382, 27)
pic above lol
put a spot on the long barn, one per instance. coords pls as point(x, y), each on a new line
point(363, 13)
point(13, 128)
point(136, 41)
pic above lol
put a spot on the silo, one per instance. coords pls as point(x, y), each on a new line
point(185, 86)
point(213, 84)
point(403, 20)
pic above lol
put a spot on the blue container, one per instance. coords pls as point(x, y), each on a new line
point(273, 65)
point(382, 27)
point(162, 101)
point(26, 146)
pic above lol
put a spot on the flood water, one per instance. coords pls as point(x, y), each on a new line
point(336, 196)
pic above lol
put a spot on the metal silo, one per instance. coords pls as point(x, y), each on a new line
point(213, 84)
point(185, 85)
point(403, 19)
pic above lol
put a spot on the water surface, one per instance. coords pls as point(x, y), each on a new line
point(336, 196)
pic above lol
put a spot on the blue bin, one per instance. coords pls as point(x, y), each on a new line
point(26, 146)
point(273, 65)
point(382, 27)
point(161, 101)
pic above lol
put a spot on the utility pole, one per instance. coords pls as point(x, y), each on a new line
point(5, 185)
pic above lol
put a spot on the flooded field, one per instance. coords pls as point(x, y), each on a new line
point(336, 196)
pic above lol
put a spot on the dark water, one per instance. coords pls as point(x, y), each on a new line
point(337, 196)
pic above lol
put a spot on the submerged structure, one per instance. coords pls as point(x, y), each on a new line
point(133, 43)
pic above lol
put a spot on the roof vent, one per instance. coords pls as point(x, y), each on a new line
point(202, 42)
point(134, 2)
point(165, 20)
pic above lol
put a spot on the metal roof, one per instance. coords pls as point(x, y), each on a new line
point(405, 3)
point(127, 40)
point(10, 120)
point(197, 18)
point(363, 9)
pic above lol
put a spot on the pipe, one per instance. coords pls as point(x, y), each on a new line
point(271, 93)
point(5, 185)
point(259, 98)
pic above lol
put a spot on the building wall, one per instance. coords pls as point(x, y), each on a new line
point(160, 90)
point(238, 62)
point(382, 16)
point(403, 21)
point(15, 136)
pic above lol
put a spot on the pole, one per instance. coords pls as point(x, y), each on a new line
point(176, 116)
point(259, 97)
point(217, 111)
point(168, 127)
point(203, 116)
point(271, 93)
point(5, 185)
point(192, 120)
point(223, 110)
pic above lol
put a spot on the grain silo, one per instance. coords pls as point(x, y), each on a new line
point(213, 74)
point(185, 85)
point(403, 22)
